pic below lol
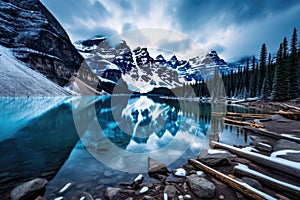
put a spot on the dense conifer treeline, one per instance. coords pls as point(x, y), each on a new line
point(277, 79)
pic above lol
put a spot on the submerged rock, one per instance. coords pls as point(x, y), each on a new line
point(201, 187)
point(111, 192)
point(214, 157)
point(156, 167)
point(29, 190)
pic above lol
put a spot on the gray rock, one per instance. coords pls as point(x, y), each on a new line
point(202, 187)
point(215, 157)
point(29, 190)
point(171, 190)
point(105, 181)
point(108, 173)
point(110, 192)
point(86, 196)
point(252, 182)
point(156, 167)
point(286, 144)
point(129, 198)
point(147, 197)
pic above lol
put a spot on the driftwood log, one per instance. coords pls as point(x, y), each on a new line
point(241, 123)
point(243, 188)
point(271, 134)
point(268, 181)
point(261, 159)
point(248, 115)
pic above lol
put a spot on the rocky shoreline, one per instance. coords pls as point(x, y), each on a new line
point(190, 182)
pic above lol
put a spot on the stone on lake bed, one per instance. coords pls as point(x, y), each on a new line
point(108, 173)
point(214, 157)
point(111, 192)
point(179, 172)
point(29, 190)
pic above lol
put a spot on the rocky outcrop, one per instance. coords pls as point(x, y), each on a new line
point(156, 167)
point(29, 190)
point(37, 38)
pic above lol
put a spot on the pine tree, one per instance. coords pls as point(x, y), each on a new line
point(262, 66)
point(280, 83)
point(247, 76)
point(253, 79)
point(294, 68)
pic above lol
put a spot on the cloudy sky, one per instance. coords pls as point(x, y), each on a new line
point(234, 28)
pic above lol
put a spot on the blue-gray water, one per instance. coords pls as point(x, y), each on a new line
point(93, 142)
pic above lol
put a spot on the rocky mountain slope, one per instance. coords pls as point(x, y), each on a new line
point(36, 38)
point(17, 79)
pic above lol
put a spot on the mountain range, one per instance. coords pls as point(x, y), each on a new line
point(40, 43)
point(141, 72)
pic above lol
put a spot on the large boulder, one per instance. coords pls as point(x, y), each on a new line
point(286, 144)
point(214, 157)
point(29, 190)
point(156, 167)
point(201, 187)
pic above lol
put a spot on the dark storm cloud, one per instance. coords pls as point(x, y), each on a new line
point(234, 28)
point(192, 14)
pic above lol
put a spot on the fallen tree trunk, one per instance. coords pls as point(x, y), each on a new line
point(241, 123)
point(248, 115)
point(261, 159)
point(243, 188)
point(290, 189)
point(290, 115)
point(272, 134)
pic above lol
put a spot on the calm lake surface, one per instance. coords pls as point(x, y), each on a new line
point(95, 142)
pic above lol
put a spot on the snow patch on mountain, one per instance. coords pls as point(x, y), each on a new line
point(19, 80)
